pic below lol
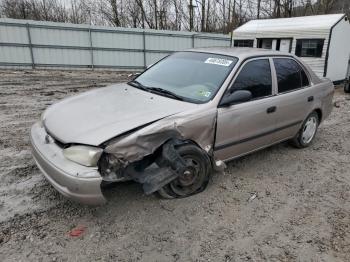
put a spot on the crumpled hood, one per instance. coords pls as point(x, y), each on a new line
point(96, 116)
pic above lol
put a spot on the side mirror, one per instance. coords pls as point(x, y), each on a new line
point(235, 97)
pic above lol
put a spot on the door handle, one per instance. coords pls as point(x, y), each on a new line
point(271, 109)
point(310, 99)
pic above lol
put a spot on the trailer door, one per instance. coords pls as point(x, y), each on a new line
point(279, 44)
point(285, 45)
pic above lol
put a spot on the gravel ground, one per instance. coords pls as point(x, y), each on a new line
point(301, 212)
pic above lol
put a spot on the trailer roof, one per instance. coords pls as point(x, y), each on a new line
point(239, 52)
point(291, 24)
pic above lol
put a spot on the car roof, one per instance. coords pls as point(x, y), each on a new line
point(243, 53)
point(240, 52)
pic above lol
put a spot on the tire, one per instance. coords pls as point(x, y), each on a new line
point(197, 175)
point(347, 87)
point(307, 132)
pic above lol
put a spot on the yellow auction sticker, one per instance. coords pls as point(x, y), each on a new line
point(204, 93)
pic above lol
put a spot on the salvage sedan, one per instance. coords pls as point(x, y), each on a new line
point(179, 120)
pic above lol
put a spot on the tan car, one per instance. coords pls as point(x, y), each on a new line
point(175, 123)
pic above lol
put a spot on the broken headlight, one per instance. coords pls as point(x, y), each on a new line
point(83, 155)
point(111, 168)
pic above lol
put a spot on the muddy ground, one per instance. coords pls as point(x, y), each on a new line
point(301, 212)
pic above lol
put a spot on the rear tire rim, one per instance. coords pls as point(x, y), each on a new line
point(309, 130)
point(192, 178)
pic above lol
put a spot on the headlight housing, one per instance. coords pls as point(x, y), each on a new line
point(83, 155)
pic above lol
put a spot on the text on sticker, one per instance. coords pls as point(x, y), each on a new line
point(218, 61)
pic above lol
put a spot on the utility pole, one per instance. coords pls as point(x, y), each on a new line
point(203, 16)
point(191, 8)
point(258, 9)
point(155, 13)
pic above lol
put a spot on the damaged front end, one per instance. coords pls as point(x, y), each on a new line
point(153, 171)
point(172, 156)
point(158, 155)
point(75, 181)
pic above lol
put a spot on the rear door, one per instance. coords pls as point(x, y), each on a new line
point(245, 127)
point(295, 98)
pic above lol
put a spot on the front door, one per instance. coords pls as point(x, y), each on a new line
point(245, 127)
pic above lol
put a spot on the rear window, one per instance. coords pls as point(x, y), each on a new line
point(290, 75)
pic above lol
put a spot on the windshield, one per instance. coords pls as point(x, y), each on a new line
point(191, 76)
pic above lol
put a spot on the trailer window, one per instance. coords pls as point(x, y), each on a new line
point(309, 47)
point(243, 43)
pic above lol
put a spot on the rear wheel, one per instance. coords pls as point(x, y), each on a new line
point(196, 176)
point(307, 132)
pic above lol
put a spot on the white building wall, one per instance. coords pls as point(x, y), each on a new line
point(339, 51)
point(316, 64)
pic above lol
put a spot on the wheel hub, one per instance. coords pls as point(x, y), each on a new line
point(189, 180)
point(188, 177)
point(309, 130)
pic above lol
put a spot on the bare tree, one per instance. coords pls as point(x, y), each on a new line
point(327, 5)
point(203, 15)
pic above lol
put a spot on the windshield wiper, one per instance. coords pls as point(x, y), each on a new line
point(165, 92)
point(137, 84)
point(158, 90)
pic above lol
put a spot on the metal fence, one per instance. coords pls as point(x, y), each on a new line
point(36, 44)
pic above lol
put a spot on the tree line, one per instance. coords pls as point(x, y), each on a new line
point(193, 15)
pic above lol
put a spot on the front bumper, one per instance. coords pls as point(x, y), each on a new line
point(77, 182)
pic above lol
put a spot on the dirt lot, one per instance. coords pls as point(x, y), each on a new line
point(301, 213)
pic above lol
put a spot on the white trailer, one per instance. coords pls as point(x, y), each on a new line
point(322, 41)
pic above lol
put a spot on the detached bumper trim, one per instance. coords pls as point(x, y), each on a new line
point(63, 174)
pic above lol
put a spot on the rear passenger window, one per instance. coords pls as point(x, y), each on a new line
point(256, 78)
point(304, 79)
point(290, 75)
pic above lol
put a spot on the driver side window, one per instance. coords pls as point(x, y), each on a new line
point(255, 77)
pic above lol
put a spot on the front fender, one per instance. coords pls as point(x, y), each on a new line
point(197, 125)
